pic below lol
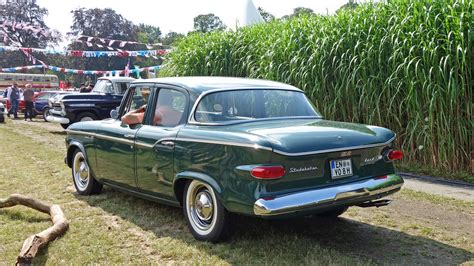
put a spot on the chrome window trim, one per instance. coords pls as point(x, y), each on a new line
point(218, 142)
point(144, 145)
point(101, 136)
point(192, 121)
point(77, 132)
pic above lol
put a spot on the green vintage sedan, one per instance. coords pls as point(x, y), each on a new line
point(215, 146)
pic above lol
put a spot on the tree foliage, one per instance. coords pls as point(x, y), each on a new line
point(349, 5)
point(148, 33)
point(27, 13)
point(104, 23)
point(302, 11)
point(207, 23)
point(265, 15)
point(171, 37)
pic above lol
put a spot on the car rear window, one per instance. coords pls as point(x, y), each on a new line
point(251, 104)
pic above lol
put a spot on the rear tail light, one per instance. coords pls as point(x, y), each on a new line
point(393, 155)
point(268, 172)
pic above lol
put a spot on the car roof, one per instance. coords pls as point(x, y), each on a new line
point(117, 79)
point(202, 84)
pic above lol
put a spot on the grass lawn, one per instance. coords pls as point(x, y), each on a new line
point(116, 228)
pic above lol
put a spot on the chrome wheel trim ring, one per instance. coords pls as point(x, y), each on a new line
point(200, 205)
point(81, 172)
point(86, 118)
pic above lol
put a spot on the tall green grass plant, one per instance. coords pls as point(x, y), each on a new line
point(405, 65)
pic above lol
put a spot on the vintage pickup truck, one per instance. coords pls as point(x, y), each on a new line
point(96, 105)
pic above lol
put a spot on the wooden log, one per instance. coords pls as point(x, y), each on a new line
point(34, 243)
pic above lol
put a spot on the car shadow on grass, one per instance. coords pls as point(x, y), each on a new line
point(307, 240)
point(62, 132)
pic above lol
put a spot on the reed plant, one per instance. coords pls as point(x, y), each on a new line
point(405, 65)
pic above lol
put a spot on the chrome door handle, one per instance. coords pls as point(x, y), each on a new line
point(168, 143)
point(129, 136)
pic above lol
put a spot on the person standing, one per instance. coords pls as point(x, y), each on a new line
point(14, 97)
point(28, 98)
point(82, 88)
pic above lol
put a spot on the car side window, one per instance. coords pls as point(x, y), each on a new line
point(170, 108)
point(136, 105)
point(121, 87)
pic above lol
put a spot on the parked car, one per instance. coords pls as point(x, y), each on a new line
point(3, 112)
point(41, 101)
point(216, 146)
point(21, 103)
point(96, 105)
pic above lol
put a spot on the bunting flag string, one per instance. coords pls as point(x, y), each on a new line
point(7, 27)
point(108, 43)
point(80, 71)
point(14, 26)
point(78, 53)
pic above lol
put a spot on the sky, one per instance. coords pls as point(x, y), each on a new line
point(177, 15)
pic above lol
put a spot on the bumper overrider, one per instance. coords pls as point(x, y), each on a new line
point(324, 198)
point(57, 117)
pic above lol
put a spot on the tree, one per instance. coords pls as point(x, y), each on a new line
point(349, 5)
point(171, 37)
point(103, 23)
point(148, 33)
point(27, 13)
point(265, 15)
point(208, 23)
point(302, 11)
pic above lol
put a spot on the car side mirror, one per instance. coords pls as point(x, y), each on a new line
point(114, 113)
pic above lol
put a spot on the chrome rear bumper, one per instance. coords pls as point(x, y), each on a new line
point(350, 194)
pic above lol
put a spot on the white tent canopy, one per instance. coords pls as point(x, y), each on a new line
point(248, 16)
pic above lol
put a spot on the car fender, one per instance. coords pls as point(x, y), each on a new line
point(190, 175)
point(71, 145)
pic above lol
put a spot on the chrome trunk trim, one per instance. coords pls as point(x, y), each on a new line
point(335, 150)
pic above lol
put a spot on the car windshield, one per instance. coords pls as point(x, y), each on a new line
point(103, 86)
point(251, 104)
point(46, 96)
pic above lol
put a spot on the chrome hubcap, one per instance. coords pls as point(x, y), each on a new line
point(81, 171)
point(201, 207)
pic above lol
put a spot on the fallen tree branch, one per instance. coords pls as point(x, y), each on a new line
point(37, 241)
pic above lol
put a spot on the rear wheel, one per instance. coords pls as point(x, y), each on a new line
point(205, 215)
point(82, 177)
point(86, 116)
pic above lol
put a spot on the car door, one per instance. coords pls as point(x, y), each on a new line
point(115, 143)
point(155, 142)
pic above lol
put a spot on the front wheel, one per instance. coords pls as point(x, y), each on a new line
point(86, 116)
point(82, 177)
point(46, 113)
point(206, 217)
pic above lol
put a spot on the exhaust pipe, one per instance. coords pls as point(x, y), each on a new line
point(376, 203)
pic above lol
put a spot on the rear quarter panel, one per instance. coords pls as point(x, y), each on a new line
point(205, 152)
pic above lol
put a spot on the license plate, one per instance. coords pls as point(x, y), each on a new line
point(341, 168)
